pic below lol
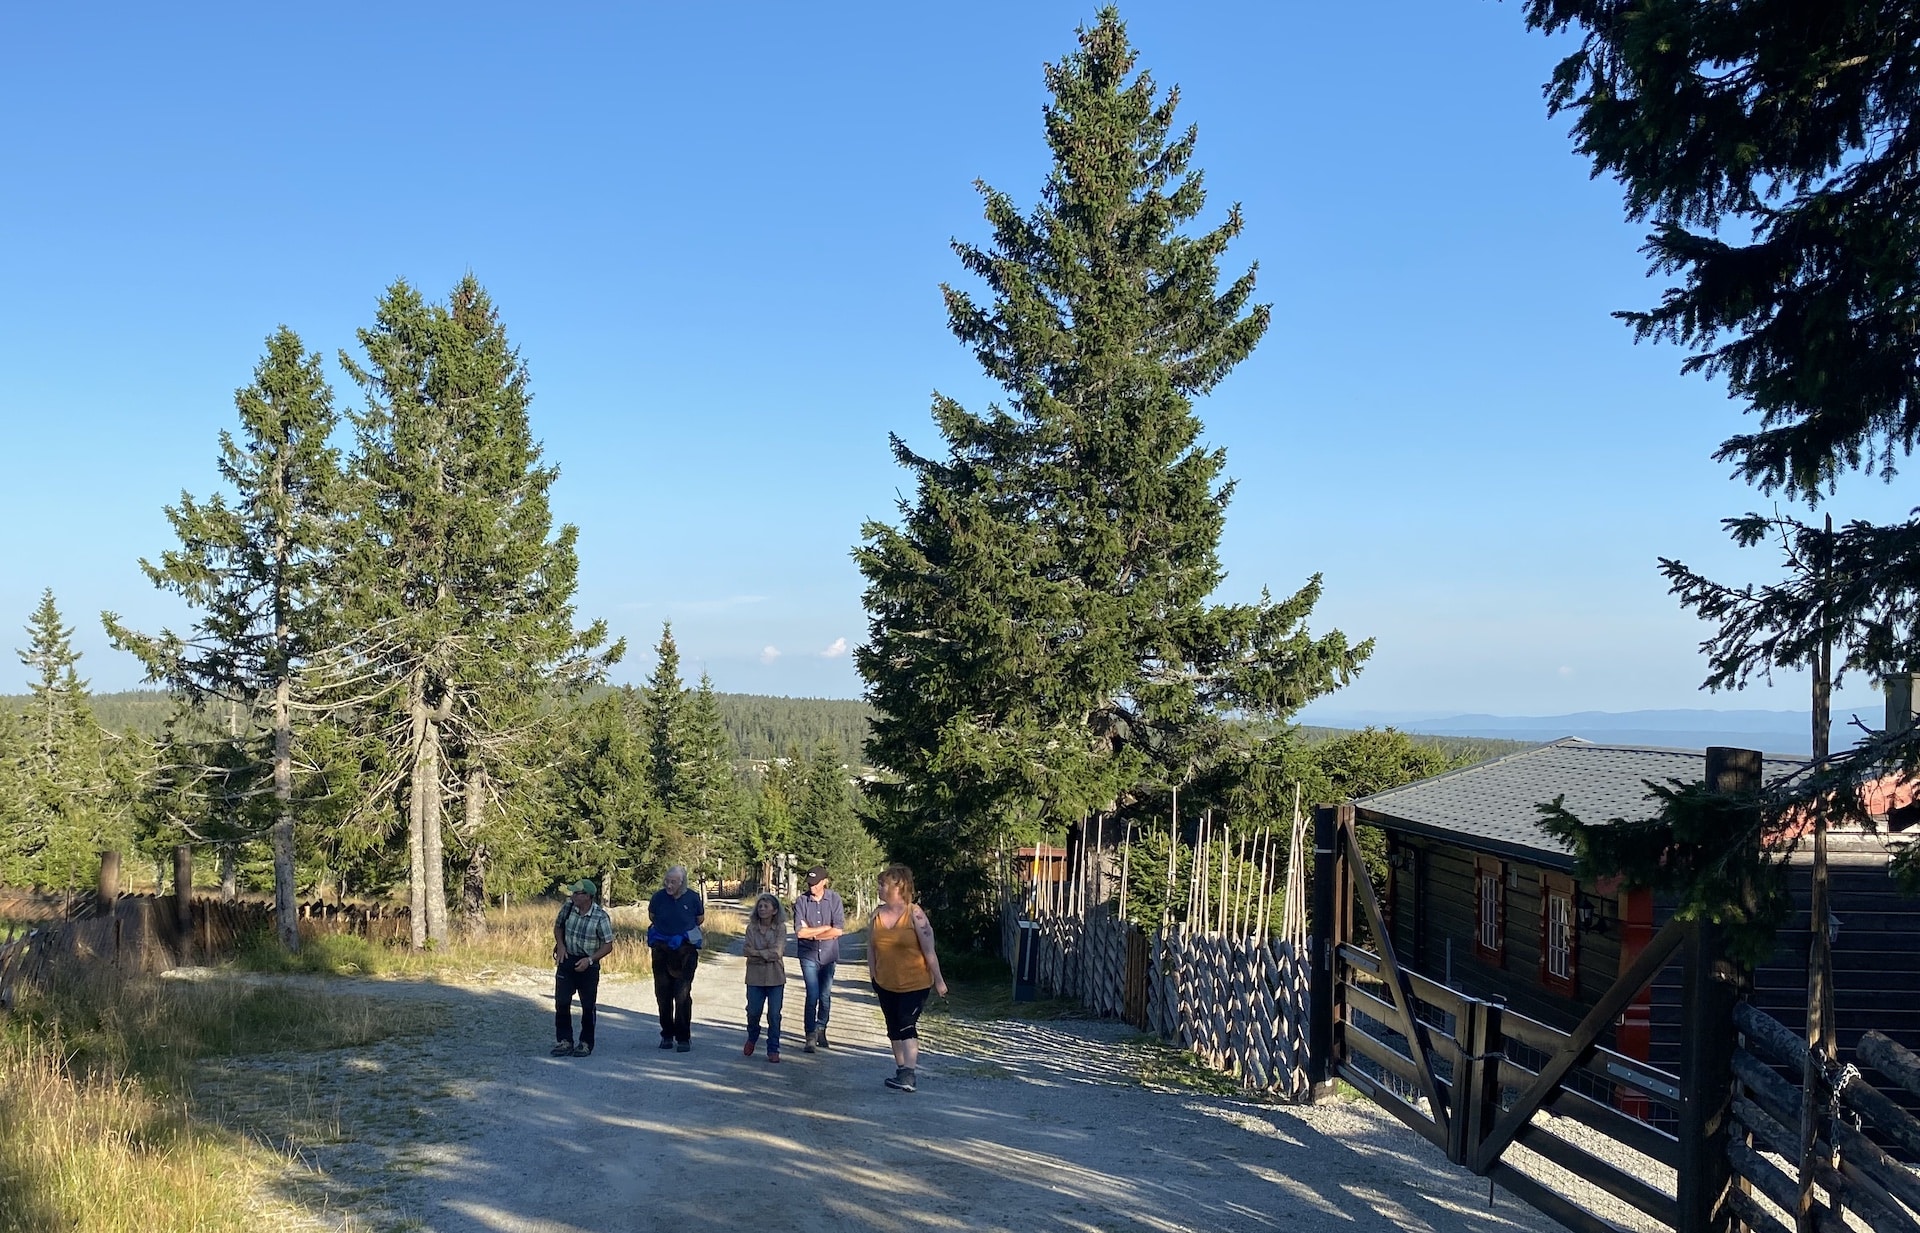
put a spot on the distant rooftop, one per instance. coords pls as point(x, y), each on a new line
point(1492, 805)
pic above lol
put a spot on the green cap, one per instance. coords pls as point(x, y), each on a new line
point(585, 886)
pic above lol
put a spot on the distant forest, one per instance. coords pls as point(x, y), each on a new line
point(761, 726)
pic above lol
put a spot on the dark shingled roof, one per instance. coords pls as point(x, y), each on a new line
point(1490, 806)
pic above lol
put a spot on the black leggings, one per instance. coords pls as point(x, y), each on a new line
point(902, 1011)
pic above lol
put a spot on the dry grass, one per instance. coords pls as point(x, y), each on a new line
point(97, 1123)
point(516, 937)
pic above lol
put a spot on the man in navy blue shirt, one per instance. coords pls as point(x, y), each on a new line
point(819, 918)
point(675, 915)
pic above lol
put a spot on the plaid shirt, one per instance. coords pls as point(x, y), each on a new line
point(585, 931)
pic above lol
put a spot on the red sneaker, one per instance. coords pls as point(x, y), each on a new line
point(747, 1049)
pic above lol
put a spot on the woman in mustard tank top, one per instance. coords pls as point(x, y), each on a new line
point(905, 967)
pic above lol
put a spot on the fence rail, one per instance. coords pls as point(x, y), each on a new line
point(1858, 1185)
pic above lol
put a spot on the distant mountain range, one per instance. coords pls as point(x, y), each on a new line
point(1782, 732)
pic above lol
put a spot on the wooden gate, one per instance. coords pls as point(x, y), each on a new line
point(1517, 1101)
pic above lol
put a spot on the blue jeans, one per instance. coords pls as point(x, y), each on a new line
point(819, 978)
point(771, 997)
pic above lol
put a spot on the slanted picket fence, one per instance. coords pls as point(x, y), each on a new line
point(1235, 996)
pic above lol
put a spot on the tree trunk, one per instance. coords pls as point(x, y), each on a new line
point(473, 886)
point(229, 874)
point(433, 854)
point(416, 810)
point(285, 910)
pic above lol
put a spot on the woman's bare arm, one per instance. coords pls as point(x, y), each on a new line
point(923, 929)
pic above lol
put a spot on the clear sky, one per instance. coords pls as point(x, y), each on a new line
point(717, 234)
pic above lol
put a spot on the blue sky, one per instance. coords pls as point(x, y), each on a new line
point(717, 235)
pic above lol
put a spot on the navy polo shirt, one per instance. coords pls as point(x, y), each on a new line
point(670, 915)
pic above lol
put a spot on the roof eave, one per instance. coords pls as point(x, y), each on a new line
point(1548, 858)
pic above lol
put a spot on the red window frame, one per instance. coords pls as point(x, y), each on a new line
point(1559, 934)
point(1490, 909)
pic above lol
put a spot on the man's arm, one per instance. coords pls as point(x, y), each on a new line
point(560, 937)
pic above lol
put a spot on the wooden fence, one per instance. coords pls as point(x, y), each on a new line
point(1857, 1183)
point(1238, 1003)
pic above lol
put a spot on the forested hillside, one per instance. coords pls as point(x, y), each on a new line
point(760, 726)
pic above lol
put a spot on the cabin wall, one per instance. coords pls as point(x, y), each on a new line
point(1433, 932)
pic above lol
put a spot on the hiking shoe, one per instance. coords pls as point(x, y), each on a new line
point(902, 1081)
point(773, 1057)
point(682, 1047)
point(666, 1042)
point(583, 1051)
point(746, 1050)
point(562, 1048)
point(808, 1046)
point(820, 1039)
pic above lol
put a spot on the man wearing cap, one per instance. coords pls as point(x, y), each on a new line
point(819, 918)
point(675, 915)
point(582, 937)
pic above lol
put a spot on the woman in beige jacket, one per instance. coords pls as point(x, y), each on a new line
point(765, 948)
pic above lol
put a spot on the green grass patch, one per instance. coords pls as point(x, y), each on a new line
point(1170, 1068)
point(326, 954)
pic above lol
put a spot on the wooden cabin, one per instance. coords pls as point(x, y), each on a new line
point(1041, 863)
point(1483, 900)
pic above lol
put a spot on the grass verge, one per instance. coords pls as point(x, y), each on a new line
point(97, 1123)
point(980, 987)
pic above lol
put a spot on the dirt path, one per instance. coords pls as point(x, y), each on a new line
point(1016, 1126)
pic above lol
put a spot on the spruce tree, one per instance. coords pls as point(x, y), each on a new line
point(605, 806)
point(709, 792)
point(1770, 147)
point(1042, 649)
point(257, 572)
point(67, 800)
point(662, 718)
point(458, 578)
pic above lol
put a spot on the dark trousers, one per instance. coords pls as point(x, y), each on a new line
point(673, 969)
point(818, 978)
point(566, 983)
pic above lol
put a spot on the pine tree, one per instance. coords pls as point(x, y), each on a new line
point(68, 805)
point(256, 571)
point(827, 828)
point(662, 716)
point(1771, 146)
point(606, 805)
point(1041, 646)
point(710, 795)
point(459, 579)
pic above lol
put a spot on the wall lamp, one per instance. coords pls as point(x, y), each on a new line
point(1591, 918)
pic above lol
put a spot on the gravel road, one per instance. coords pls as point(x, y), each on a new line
point(1017, 1126)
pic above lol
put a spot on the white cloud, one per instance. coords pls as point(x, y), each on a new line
point(835, 651)
point(769, 653)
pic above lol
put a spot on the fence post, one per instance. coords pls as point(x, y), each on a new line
point(1477, 1100)
point(183, 899)
point(1710, 990)
point(109, 881)
point(1329, 916)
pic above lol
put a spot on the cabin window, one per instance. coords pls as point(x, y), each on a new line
point(1489, 909)
point(1559, 935)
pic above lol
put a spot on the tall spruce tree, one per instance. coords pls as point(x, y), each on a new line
point(69, 810)
point(709, 791)
point(1771, 146)
point(458, 577)
point(1042, 649)
point(257, 572)
point(663, 719)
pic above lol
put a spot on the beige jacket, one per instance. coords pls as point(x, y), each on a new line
point(765, 948)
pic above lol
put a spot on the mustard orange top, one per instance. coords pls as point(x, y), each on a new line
point(895, 958)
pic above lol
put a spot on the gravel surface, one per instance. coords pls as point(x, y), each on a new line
point(1017, 1126)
